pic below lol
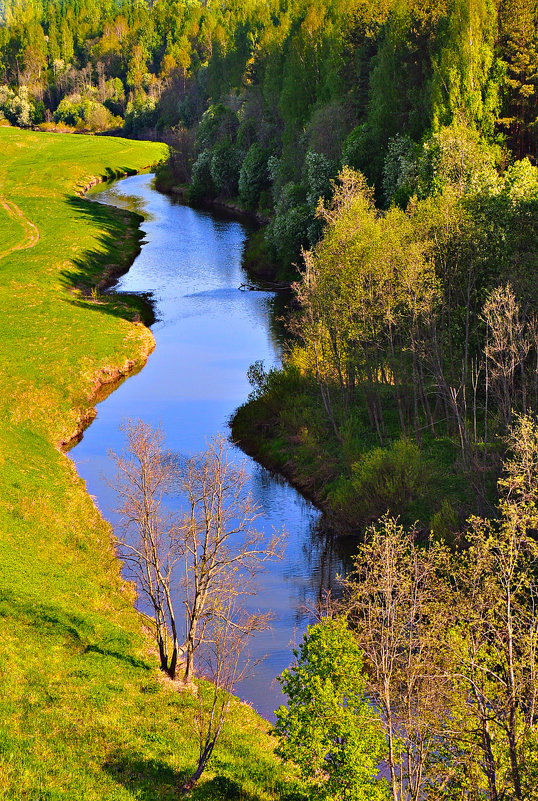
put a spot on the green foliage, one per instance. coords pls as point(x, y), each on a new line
point(17, 107)
point(521, 182)
point(202, 185)
point(362, 152)
point(466, 81)
point(82, 112)
point(458, 157)
point(288, 230)
point(384, 480)
point(141, 112)
point(444, 523)
point(399, 171)
point(254, 176)
point(329, 728)
point(318, 173)
point(225, 165)
point(218, 124)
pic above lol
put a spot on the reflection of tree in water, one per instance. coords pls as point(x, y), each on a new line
point(328, 558)
point(121, 199)
point(320, 555)
point(278, 314)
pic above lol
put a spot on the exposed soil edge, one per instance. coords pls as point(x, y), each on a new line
point(107, 379)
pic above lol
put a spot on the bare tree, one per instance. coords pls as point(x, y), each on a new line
point(392, 604)
point(223, 659)
point(145, 472)
point(506, 349)
point(214, 538)
point(221, 548)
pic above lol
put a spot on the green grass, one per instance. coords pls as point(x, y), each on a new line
point(84, 713)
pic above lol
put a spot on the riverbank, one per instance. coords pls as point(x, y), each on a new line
point(84, 712)
point(353, 481)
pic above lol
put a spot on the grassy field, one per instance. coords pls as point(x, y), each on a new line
point(84, 714)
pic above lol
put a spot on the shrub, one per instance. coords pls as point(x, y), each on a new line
point(445, 523)
point(254, 176)
point(202, 183)
point(383, 480)
point(84, 113)
point(17, 108)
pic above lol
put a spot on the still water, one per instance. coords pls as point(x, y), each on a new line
point(208, 330)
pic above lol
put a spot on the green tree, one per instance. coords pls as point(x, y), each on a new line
point(202, 186)
point(225, 165)
point(254, 176)
point(329, 728)
point(466, 77)
point(518, 40)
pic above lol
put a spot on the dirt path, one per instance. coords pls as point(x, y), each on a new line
point(31, 231)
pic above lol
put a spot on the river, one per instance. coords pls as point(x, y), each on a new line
point(208, 330)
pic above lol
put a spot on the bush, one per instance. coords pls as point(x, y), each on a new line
point(254, 176)
point(444, 524)
point(383, 480)
point(17, 108)
point(202, 182)
point(84, 113)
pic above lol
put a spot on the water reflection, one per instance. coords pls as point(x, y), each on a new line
point(208, 331)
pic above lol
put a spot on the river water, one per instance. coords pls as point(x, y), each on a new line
point(208, 330)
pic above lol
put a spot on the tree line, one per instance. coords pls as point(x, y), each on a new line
point(269, 100)
point(431, 310)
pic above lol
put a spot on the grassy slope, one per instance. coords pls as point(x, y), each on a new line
point(83, 712)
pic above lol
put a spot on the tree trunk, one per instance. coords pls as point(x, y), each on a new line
point(202, 762)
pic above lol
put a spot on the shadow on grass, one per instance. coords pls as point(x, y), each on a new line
point(111, 174)
point(54, 621)
point(127, 658)
point(149, 779)
point(96, 269)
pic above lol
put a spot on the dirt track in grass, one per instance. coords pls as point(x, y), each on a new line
point(31, 231)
